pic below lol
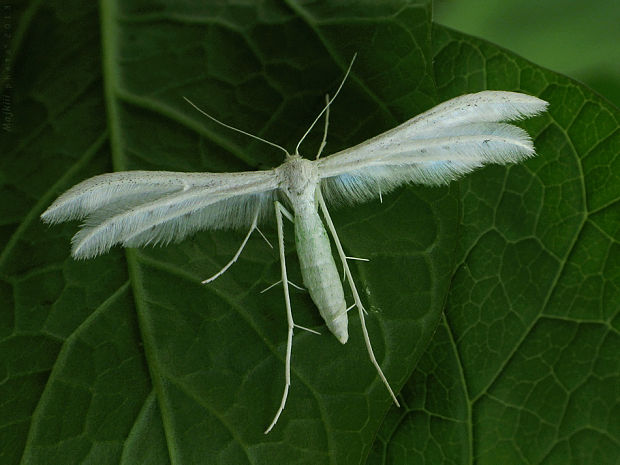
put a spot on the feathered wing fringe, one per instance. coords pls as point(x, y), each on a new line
point(170, 219)
point(126, 188)
point(434, 148)
point(488, 106)
point(135, 208)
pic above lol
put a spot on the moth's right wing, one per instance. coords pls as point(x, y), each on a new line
point(135, 208)
point(434, 148)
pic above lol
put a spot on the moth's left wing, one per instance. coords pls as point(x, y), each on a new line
point(433, 148)
point(135, 208)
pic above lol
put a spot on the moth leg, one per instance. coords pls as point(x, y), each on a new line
point(263, 236)
point(324, 141)
point(234, 259)
point(307, 329)
point(296, 286)
point(289, 315)
point(356, 296)
point(358, 259)
point(285, 212)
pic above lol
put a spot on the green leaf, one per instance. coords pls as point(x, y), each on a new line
point(524, 366)
point(128, 359)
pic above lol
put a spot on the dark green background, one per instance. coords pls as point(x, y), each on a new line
point(493, 302)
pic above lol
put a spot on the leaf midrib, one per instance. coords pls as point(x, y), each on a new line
point(109, 33)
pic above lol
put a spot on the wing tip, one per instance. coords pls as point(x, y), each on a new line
point(518, 104)
point(53, 216)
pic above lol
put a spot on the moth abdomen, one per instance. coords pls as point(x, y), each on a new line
point(319, 273)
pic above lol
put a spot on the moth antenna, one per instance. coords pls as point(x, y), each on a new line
point(324, 141)
point(213, 118)
point(327, 105)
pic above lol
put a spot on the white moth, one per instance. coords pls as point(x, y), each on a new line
point(136, 208)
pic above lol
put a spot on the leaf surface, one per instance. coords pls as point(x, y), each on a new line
point(523, 368)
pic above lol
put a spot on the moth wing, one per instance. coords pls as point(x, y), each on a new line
point(434, 147)
point(135, 208)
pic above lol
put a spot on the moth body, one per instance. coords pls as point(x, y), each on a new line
point(299, 180)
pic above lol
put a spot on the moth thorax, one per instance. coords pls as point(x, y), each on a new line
point(298, 178)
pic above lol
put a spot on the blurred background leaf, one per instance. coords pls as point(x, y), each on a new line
point(578, 38)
